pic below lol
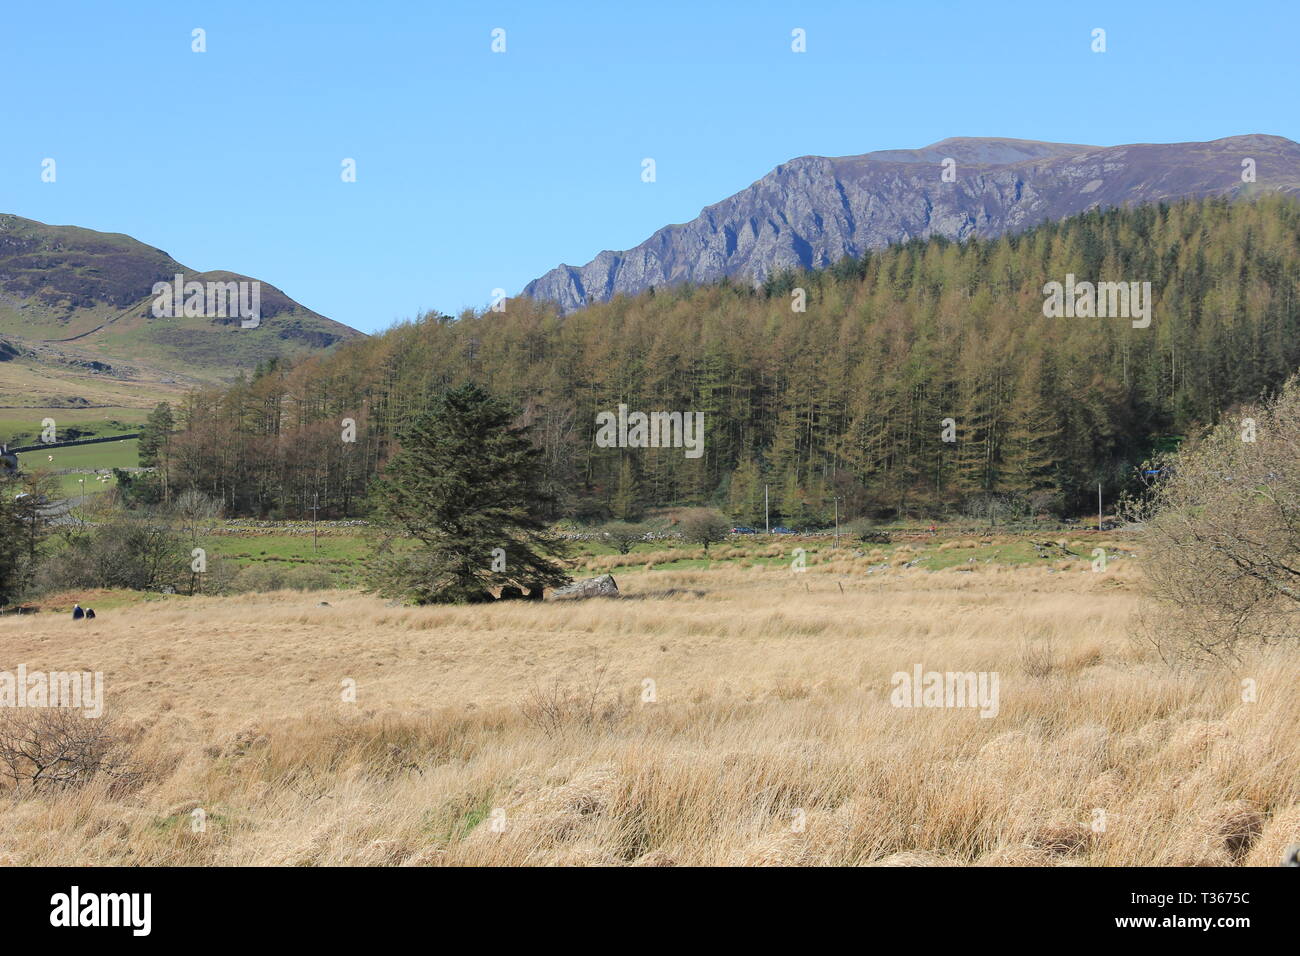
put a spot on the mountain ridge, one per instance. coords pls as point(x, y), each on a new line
point(812, 211)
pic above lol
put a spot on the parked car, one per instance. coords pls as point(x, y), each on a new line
point(782, 531)
point(743, 531)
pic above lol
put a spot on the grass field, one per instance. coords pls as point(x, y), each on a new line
point(340, 555)
point(23, 427)
point(74, 486)
point(88, 460)
point(343, 552)
point(102, 455)
point(739, 715)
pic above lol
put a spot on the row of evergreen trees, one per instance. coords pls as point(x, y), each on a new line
point(919, 378)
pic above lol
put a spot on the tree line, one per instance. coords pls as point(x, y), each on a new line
point(919, 379)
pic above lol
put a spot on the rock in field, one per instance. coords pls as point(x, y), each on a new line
point(602, 586)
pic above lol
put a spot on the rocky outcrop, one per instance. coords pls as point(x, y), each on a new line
point(603, 586)
point(813, 211)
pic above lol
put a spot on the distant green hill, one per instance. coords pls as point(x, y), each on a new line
point(72, 295)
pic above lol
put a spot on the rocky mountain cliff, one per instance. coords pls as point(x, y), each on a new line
point(813, 211)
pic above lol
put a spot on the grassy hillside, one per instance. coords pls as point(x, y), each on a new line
point(41, 385)
point(22, 426)
point(65, 289)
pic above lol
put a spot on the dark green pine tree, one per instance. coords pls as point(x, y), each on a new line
point(156, 434)
point(466, 485)
point(25, 525)
point(11, 544)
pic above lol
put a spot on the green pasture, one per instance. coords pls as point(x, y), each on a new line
point(100, 456)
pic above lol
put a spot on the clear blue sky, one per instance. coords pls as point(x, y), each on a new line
point(478, 170)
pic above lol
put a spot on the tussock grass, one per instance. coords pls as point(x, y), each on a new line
point(522, 733)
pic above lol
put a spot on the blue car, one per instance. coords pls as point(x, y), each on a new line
point(782, 531)
point(743, 531)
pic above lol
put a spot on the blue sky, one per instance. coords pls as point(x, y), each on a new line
point(478, 170)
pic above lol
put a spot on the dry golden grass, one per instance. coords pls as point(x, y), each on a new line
point(517, 734)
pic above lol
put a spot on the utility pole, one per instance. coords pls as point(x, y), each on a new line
point(837, 522)
point(315, 506)
point(1099, 507)
point(767, 515)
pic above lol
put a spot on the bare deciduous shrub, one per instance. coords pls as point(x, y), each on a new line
point(139, 552)
point(1038, 658)
point(219, 577)
point(993, 507)
point(106, 545)
point(623, 537)
point(50, 748)
point(195, 514)
point(585, 702)
point(1223, 528)
point(257, 577)
point(307, 578)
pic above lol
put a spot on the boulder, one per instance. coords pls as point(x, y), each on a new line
point(603, 586)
